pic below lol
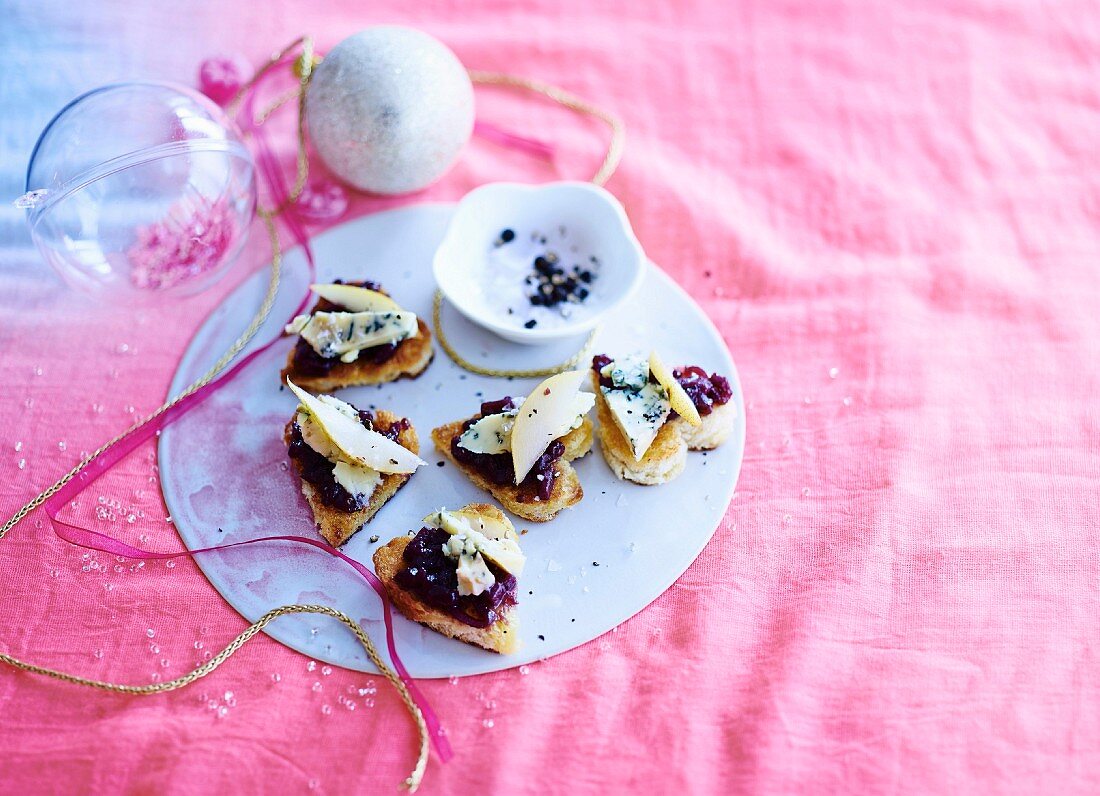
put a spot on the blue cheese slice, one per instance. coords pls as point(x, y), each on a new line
point(639, 414)
point(473, 574)
point(492, 433)
point(630, 372)
point(345, 334)
point(356, 479)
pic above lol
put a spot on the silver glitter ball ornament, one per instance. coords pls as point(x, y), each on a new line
point(389, 109)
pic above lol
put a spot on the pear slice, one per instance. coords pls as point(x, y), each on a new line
point(490, 527)
point(352, 441)
point(356, 299)
point(464, 520)
point(504, 551)
point(549, 412)
point(681, 403)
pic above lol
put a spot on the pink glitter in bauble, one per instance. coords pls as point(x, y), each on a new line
point(222, 77)
point(190, 241)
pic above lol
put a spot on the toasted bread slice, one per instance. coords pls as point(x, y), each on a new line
point(566, 491)
point(664, 460)
point(412, 357)
point(502, 636)
point(339, 526)
point(667, 455)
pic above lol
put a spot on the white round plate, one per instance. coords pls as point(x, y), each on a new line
point(225, 478)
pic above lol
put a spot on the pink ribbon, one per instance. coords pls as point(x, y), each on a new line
point(85, 537)
point(532, 146)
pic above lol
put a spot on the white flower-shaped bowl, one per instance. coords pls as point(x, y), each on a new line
point(590, 222)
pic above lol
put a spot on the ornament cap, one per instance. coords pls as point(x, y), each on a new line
point(30, 199)
point(299, 66)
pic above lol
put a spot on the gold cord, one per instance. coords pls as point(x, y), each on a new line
point(278, 102)
point(574, 103)
point(603, 174)
point(411, 782)
point(268, 216)
point(465, 364)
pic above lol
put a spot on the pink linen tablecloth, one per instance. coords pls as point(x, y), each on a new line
point(890, 211)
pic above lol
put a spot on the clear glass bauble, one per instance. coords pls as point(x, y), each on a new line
point(140, 190)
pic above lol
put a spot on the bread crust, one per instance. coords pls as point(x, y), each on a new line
point(409, 360)
point(502, 636)
point(336, 527)
point(566, 491)
point(715, 429)
point(667, 456)
point(664, 460)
